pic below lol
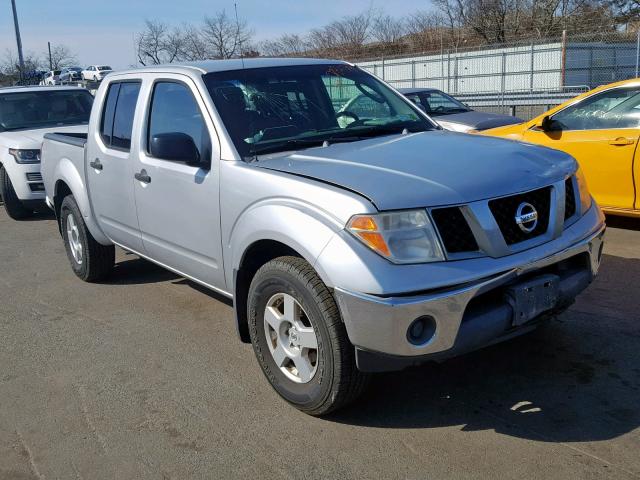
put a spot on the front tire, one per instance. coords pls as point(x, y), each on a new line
point(89, 260)
point(299, 338)
point(12, 204)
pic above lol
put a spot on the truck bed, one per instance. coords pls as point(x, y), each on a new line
point(62, 158)
point(77, 139)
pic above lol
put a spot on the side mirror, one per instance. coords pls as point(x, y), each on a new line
point(175, 146)
point(546, 124)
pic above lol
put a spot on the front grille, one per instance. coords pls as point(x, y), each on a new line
point(505, 211)
point(454, 230)
point(34, 177)
point(570, 199)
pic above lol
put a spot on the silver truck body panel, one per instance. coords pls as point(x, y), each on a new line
point(201, 223)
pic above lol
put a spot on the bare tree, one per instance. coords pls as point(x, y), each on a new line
point(62, 56)
point(193, 45)
point(387, 29)
point(224, 37)
point(10, 67)
point(159, 43)
point(285, 45)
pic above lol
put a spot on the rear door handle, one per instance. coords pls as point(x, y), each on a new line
point(142, 176)
point(96, 164)
point(622, 141)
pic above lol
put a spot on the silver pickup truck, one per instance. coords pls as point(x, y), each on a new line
point(349, 242)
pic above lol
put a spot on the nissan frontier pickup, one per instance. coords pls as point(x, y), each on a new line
point(350, 243)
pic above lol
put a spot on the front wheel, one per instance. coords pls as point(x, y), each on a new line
point(12, 204)
point(90, 260)
point(299, 338)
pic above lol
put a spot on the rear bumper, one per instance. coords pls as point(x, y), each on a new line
point(465, 317)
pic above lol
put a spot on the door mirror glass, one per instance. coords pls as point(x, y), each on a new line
point(175, 146)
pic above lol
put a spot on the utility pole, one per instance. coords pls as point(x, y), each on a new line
point(50, 59)
point(18, 40)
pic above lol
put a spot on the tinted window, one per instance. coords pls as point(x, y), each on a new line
point(617, 108)
point(44, 109)
point(174, 110)
point(437, 103)
point(106, 124)
point(123, 118)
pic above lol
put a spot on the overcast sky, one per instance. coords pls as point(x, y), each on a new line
point(102, 32)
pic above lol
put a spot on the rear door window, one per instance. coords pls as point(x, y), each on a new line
point(119, 111)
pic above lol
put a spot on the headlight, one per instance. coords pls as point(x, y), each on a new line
point(585, 196)
point(402, 237)
point(25, 156)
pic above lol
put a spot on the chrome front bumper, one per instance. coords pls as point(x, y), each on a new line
point(380, 324)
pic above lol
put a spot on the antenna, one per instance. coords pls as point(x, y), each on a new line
point(235, 7)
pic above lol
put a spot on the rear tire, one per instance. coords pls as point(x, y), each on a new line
point(329, 379)
point(89, 260)
point(12, 204)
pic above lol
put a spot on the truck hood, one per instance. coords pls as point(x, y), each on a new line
point(32, 139)
point(428, 169)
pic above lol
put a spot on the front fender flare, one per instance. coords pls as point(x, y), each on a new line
point(298, 225)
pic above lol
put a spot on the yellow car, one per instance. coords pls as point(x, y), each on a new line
point(600, 129)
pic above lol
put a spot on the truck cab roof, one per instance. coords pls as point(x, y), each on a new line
point(209, 66)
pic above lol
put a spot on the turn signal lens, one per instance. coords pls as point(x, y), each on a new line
point(585, 196)
point(402, 237)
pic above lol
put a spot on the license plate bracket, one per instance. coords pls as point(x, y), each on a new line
point(532, 297)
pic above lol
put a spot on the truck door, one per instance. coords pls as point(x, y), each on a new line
point(110, 170)
point(601, 132)
point(178, 202)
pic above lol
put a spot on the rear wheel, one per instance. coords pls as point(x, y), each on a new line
point(299, 338)
point(89, 260)
point(12, 204)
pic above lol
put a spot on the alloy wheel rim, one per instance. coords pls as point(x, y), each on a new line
point(292, 341)
point(73, 235)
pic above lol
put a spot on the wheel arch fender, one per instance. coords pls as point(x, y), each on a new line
point(269, 230)
point(69, 181)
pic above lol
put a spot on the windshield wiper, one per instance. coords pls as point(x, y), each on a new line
point(283, 146)
point(345, 136)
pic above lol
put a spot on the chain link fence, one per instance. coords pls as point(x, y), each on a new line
point(524, 78)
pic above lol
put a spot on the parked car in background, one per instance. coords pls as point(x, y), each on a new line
point(600, 129)
point(52, 77)
point(452, 114)
point(26, 115)
point(95, 73)
point(70, 74)
point(346, 249)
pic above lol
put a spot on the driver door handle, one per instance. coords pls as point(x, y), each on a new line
point(96, 164)
point(622, 141)
point(142, 176)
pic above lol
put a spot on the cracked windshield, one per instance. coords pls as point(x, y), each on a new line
point(290, 108)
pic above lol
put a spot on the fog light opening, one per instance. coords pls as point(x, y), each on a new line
point(421, 330)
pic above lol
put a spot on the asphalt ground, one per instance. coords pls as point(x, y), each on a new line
point(143, 377)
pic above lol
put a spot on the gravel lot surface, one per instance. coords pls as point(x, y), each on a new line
point(144, 377)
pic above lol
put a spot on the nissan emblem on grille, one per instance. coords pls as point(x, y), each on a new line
point(527, 217)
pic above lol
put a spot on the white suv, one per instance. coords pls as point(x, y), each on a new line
point(96, 72)
point(26, 115)
point(52, 77)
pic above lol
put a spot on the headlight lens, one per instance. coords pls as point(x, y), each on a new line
point(402, 237)
point(585, 196)
point(25, 156)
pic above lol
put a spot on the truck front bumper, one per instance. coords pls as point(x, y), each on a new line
point(462, 317)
